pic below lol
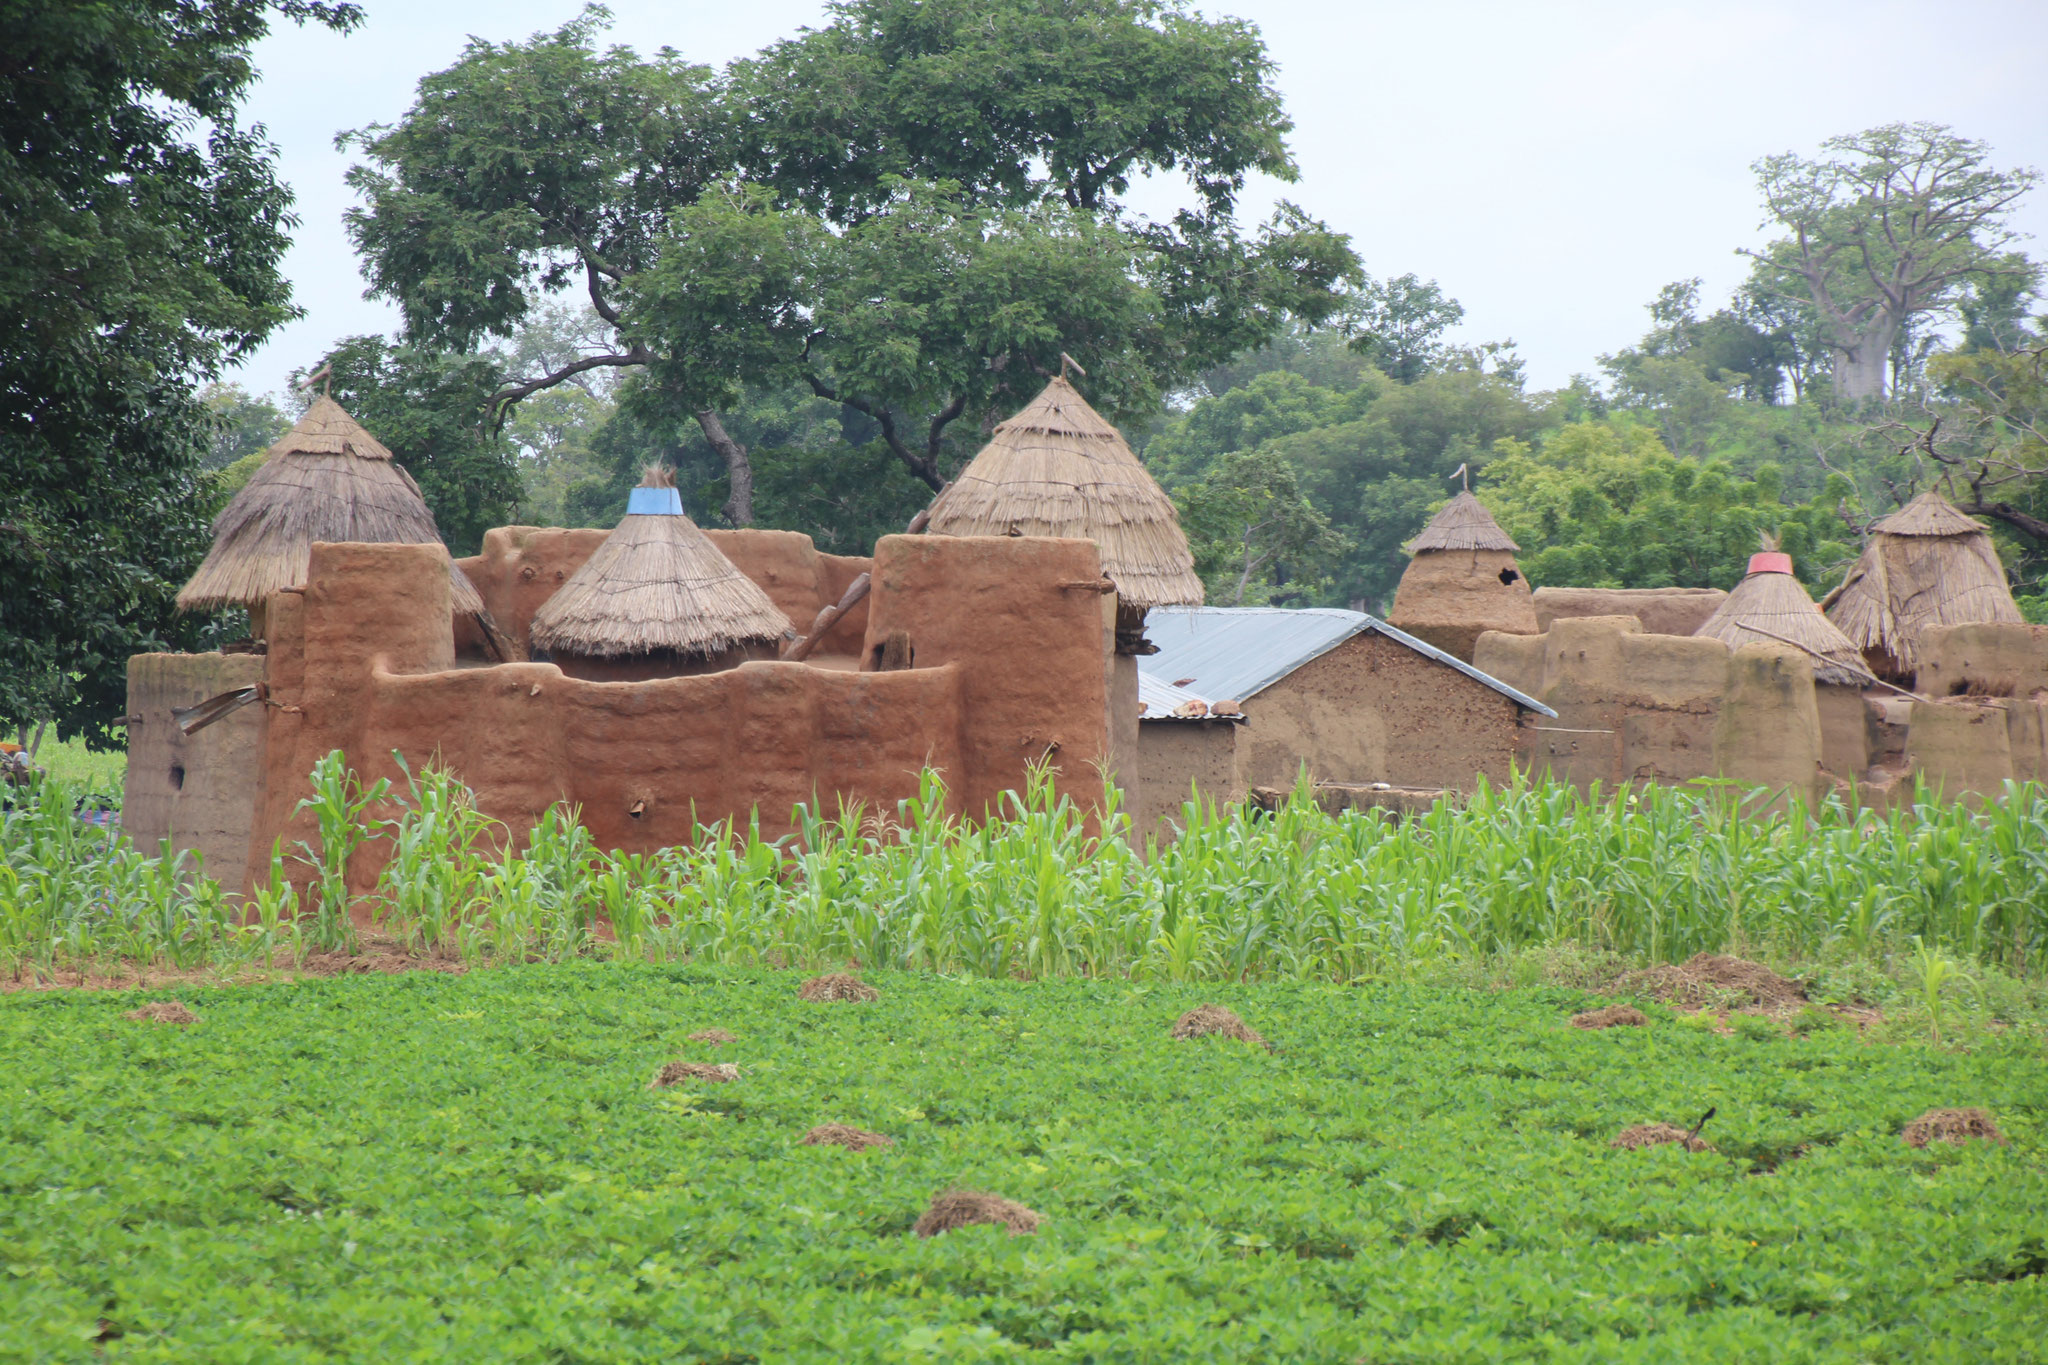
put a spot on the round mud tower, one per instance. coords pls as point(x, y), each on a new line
point(1611, 1016)
point(1209, 1021)
point(838, 986)
point(961, 1208)
point(1954, 1126)
point(846, 1135)
point(675, 1073)
point(1657, 1135)
point(163, 1012)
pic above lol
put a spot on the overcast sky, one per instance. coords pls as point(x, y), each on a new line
point(1551, 164)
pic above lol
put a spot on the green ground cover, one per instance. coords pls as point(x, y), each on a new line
point(427, 1167)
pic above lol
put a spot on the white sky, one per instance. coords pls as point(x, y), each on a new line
point(1551, 164)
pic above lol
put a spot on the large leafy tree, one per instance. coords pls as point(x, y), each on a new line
point(1885, 227)
point(894, 264)
point(145, 225)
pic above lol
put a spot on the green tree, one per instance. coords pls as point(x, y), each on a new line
point(1256, 538)
point(911, 278)
point(243, 424)
point(1885, 228)
point(1400, 324)
point(145, 228)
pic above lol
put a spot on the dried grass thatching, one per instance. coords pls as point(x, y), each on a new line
point(1058, 469)
point(847, 1136)
point(1953, 1126)
point(963, 1208)
point(838, 986)
point(1611, 1016)
point(1209, 1021)
point(1464, 524)
point(678, 1072)
point(326, 480)
point(1773, 599)
point(163, 1012)
point(1658, 1135)
point(1926, 565)
point(656, 584)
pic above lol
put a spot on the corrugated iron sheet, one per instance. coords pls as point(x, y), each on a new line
point(1234, 653)
point(1159, 698)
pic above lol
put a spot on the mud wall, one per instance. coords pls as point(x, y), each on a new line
point(1662, 611)
point(363, 661)
point(1451, 597)
point(1373, 710)
point(522, 566)
point(197, 790)
point(1180, 756)
point(1985, 721)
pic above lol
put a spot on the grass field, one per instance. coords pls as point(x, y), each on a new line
point(430, 1167)
point(94, 776)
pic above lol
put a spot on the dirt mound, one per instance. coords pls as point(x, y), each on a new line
point(1206, 1021)
point(959, 1208)
point(847, 1136)
point(1955, 1126)
point(1611, 1016)
point(1656, 1135)
point(163, 1012)
point(717, 1037)
point(838, 986)
point(675, 1073)
point(1708, 979)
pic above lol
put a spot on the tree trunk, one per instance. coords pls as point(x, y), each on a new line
point(1860, 369)
point(739, 502)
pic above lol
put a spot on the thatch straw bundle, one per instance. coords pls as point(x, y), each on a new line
point(656, 584)
point(1770, 597)
point(1464, 524)
point(1058, 469)
point(326, 480)
point(1927, 564)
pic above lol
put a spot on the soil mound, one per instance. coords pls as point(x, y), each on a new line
point(1955, 1126)
point(1205, 1021)
point(1707, 979)
point(959, 1208)
point(1611, 1016)
point(163, 1012)
point(838, 986)
point(1656, 1135)
point(717, 1037)
point(675, 1073)
point(847, 1136)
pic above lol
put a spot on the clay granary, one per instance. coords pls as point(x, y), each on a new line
point(1462, 581)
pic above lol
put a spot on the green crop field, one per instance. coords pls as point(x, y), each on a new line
point(473, 1168)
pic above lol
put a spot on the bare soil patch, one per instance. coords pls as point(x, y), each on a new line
point(1207, 1021)
point(377, 955)
point(1706, 980)
point(961, 1208)
point(838, 986)
point(675, 1073)
point(1611, 1016)
point(163, 1012)
point(1954, 1126)
point(847, 1136)
point(1656, 1135)
point(717, 1037)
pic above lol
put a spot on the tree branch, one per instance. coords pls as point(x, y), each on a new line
point(925, 468)
point(739, 469)
point(505, 399)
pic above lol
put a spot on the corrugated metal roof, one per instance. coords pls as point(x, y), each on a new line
point(1235, 653)
point(1157, 699)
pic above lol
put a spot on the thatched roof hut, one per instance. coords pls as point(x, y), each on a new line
point(1463, 524)
point(1927, 564)
point(1058, 469)
point(325, 480)
point(1770, 597)
point(657, 587)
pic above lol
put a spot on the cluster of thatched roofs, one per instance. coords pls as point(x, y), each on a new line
point(1927, 564)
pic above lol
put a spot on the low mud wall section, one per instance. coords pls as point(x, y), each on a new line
point(1985, 720)
point(196, 790)
point(363, 661)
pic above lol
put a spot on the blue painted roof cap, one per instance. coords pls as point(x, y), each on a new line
point(654, 502)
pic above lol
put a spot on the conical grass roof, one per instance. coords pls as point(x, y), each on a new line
point(657, 583)
point(326, 479)
point(1058, 469)
point(1463, 524)
point(1928, 564)
point(1770, 597)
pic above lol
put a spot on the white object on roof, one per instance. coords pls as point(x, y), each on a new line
point(1238, 652)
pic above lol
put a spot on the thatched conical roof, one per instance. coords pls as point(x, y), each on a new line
point(1464, 524)
point(1058, 469)
point(325, 480)
point(1927, 564)
point(1770, 597)
point(657, 583)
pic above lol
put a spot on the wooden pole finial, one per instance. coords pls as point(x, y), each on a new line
point(1068, 362)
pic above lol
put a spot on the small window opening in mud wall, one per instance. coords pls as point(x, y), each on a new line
point(894, 653)
point(1508, 576)
point(177, 777)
